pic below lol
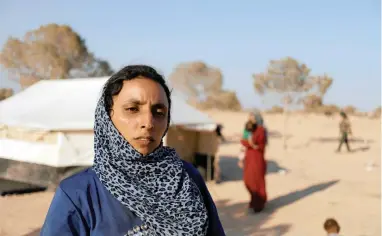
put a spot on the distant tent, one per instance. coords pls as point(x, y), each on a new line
point(47, 130)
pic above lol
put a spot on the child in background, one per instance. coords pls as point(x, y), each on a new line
point(247, 130)
point(345, 131)
point(247, 135)
point(332, 227)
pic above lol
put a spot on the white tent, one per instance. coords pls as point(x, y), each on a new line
point(51, 123)
point(70, 104)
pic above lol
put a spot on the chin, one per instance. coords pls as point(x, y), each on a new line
point(145, 151)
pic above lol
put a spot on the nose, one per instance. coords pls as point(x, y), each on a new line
point(147, 121)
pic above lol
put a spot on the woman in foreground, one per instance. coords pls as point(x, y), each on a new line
point(254, 163)
point(136, 186)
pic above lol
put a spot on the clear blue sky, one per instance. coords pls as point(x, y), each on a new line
point(341, 38)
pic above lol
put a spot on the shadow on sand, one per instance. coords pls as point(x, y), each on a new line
point(353, 150)
point(229, 170)
point(9, 187)
point(361, 149)
point(237, 222)
point(336, 139)
point(277, 135)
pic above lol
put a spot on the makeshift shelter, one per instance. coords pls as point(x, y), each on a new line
point(46, 131)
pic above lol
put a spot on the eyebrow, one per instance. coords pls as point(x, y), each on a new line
point(137, 102)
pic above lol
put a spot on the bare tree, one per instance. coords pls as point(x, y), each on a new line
point(202, 86)
point(314, 100)
point(221, 100)
point(286, 77)
point(50, 52)
point(196, 80)
point(5, 93)
point(324, 83)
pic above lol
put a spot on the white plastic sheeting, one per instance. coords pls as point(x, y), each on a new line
point(39, 153)
point(69, 105)
point(60, 154)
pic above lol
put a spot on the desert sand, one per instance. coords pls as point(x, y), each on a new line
point(306, 184)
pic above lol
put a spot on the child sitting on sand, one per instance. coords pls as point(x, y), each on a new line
point(332, 227)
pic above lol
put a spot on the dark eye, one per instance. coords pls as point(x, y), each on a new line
point(159, 112)
point(131, 109)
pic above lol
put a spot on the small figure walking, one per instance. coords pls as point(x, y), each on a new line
point(219, 133)
point(332, 227)
point(345, 131)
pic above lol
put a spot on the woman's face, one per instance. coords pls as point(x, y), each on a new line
point(252, 118)
point(140, 113)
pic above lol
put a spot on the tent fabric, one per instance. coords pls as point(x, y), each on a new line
point(65, 109)
point(70, 104)
point(61, 154)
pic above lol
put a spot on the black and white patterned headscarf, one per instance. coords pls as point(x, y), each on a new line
point(156, 187)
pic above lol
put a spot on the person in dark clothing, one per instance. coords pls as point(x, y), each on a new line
point(219, 133)
point(345, 131)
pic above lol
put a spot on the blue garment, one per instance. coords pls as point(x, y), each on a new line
point(83, 206)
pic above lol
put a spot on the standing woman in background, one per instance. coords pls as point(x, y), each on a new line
point(136, 186)
point(254, 164)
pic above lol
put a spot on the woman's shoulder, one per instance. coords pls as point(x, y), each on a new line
point(193, 173)
point(79, 182)
point(259, 129)
point(190, 168)
point(80, 191)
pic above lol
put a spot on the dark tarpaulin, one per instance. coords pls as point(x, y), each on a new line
point(23, 177)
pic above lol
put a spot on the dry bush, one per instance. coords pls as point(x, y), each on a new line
point(312, 102)
point(275, 110)
point(350, 110)
point(328, 110)
point(223, 100)
point(376, 114)
point(5, 93)
point(360, 113)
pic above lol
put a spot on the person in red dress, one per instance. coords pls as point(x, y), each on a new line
point(254, 164)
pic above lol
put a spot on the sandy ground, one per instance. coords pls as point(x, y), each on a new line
point(318, 183)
